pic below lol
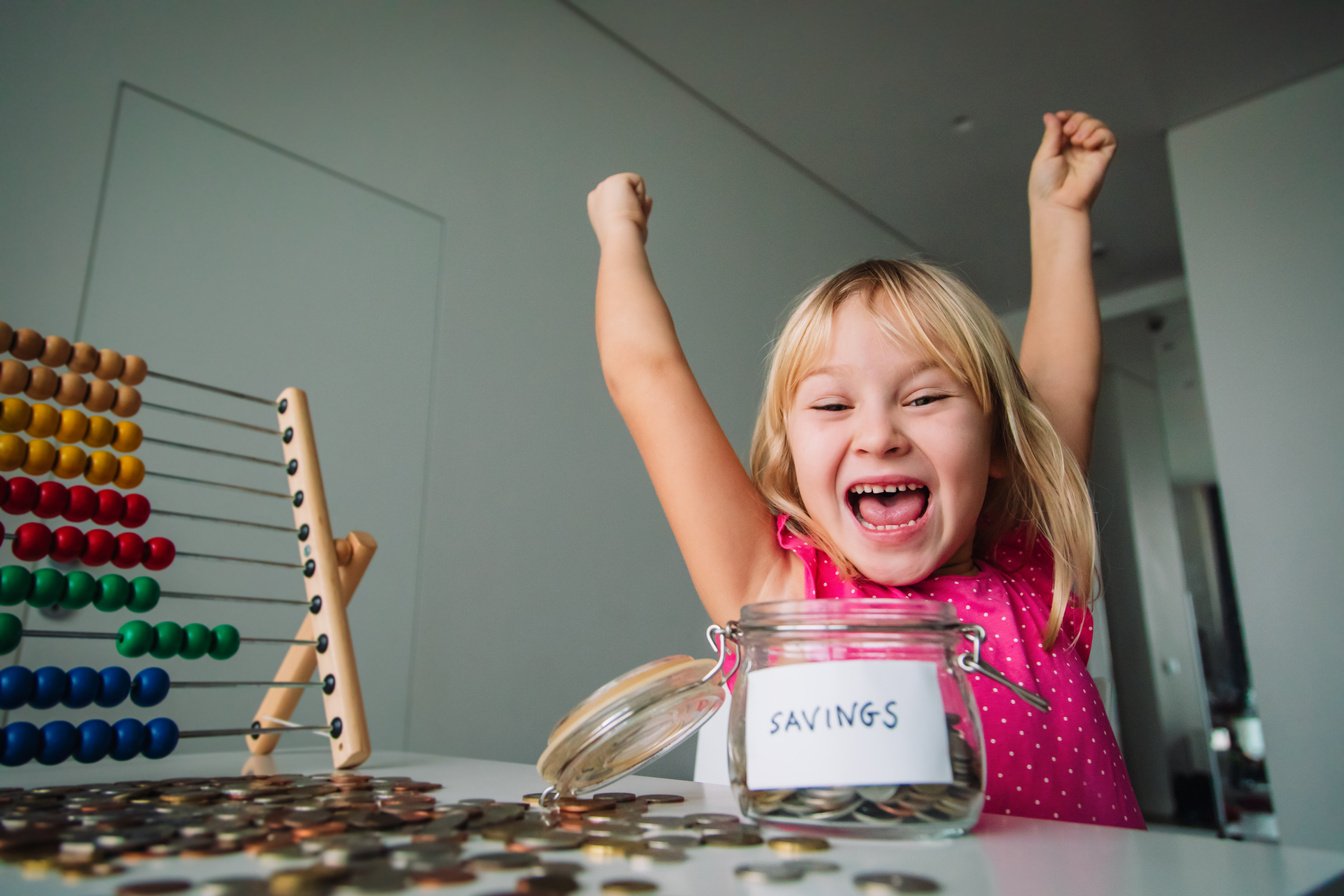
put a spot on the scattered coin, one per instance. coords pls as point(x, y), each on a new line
point(769, 873)
point(893, 882)
point(629, 885)
point(154, 887)
point(794, 845)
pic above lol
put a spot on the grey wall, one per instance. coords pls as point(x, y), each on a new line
point(1259, 194)
point(541, 565)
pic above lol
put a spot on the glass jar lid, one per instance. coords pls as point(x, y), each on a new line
point(630, 721)
point(848, 614)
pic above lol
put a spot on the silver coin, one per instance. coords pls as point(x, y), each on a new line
point(878, 882)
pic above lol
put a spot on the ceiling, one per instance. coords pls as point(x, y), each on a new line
point(924, 115)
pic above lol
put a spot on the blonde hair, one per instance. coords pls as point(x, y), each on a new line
point(930, 309)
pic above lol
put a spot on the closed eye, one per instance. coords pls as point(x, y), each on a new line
point(832, 406)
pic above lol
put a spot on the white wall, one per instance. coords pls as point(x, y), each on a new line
point(543, 566)
point(1259, 195)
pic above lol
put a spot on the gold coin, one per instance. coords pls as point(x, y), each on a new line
point(795, 845)
point(629, 885)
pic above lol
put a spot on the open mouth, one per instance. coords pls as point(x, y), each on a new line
point(886, 508)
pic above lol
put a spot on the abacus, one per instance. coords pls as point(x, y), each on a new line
point(38, 440)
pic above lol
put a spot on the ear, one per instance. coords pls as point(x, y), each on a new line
point(998, 463)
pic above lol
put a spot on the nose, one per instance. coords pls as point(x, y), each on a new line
point(878, 433)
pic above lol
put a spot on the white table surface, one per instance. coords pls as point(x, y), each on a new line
point(1002, 857)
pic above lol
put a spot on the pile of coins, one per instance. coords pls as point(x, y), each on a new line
point(919, 809)
point(355, 834)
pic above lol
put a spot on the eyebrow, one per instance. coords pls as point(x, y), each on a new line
point(841, 369)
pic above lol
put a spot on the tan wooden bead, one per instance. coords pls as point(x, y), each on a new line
point(128, 401)
point(109, 364)
point(100, 397)
point(27, 345)
point(135, 370)
point(42, 382)
point(13, 377)
point(56, 351)
point(72, 389)
point(6, 336)
point(83, 358)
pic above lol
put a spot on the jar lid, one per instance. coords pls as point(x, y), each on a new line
point(630, 721)
point(849, 614)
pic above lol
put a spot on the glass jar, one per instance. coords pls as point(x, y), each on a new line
point(855, 717)
point(848, 716)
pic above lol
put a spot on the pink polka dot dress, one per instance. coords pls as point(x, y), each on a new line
point(1063, 764)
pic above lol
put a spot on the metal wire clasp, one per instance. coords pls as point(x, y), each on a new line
point(718, 638)
point(972, 662)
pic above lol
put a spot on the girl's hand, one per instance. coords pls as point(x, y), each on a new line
point(620, 205)
point(1071, 162)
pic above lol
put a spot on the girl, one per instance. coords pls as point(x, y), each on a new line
point(901, 451)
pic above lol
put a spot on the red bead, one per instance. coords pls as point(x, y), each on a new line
point(22, 497)
point(32, 541)
point(100, 546)
point(4, 491)
point(130, 551)
point(83, 502)
point(52, 499)
point(136, 511)
point(67, 543)
point(110, 506)
point(159, 553)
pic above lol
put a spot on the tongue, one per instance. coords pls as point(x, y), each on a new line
point(892, 509)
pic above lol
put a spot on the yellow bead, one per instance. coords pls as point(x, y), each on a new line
point(12, 452)
point(130, 471)
point(70, 461)
point(101, 432)
point(14, 414)
point(73, 426)
point(41, 455)
point(100, 468)
point(129, 436)
point(45, 421)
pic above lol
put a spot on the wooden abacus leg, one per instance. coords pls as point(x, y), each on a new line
point(300, 662)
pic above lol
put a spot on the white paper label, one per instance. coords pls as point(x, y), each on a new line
point(846, 723)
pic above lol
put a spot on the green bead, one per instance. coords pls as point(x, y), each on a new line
point(195, 641)
point(15, 584)
point(167, 640)
point(80, 590)
point(144, 595)
point(113, 592)
point(11, 632)
point(224, 642)
point(134, 638)
point(48, 588)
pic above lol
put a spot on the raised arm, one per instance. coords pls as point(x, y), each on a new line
point(1061, 345)
point(722, 525)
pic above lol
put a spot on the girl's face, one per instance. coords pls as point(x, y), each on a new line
point(892, 454)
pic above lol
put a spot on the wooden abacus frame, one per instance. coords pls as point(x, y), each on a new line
point(329, 589)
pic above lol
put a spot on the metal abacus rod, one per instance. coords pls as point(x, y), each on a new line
point(329, 584)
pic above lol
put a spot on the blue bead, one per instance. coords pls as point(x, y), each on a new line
point(22, 740)
point(95, 741)
point(149, 687)
point(49, 687)
point(16, 686)
point(58, 742)
point(115, 687)
point(82, 687)
point(128, 739)
point(162, 738)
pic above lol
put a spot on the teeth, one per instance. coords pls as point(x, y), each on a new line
point(881, 489)
point(867, 525)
